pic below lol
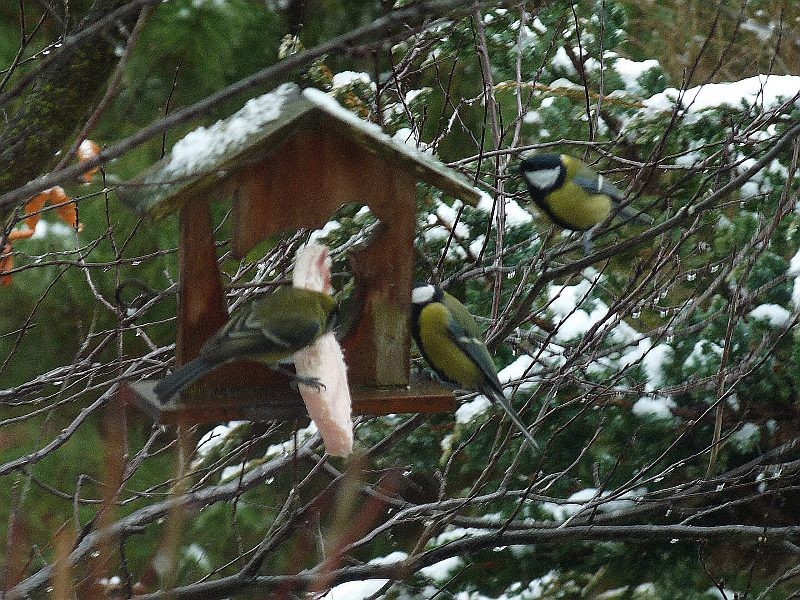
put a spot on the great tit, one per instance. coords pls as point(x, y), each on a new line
point(568, 191)
point(268, 330)
point(450, 341)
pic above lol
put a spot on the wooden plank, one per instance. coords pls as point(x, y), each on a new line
point(209, 405)
point(421, 396)
point(216, 404)
point(202, 309)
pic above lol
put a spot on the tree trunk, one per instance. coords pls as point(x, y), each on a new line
point(57, 100)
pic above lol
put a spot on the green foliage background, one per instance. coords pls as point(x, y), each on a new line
point(190, 49)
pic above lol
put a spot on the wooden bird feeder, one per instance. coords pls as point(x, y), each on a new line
point(290, 160)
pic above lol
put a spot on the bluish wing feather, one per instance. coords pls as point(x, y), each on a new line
point(593, 183)
point(476, 350)
point(597, 184)
point(284, 337)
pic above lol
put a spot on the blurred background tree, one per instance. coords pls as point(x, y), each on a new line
point(658, 371)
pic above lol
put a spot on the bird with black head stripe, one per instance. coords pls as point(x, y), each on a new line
point(572, 194)
point(451, 342)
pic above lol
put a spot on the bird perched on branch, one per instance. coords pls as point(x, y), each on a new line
point(268, 330)
point(450, 341)
point(573, 195)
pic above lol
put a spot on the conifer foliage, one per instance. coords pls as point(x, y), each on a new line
point(655, 365)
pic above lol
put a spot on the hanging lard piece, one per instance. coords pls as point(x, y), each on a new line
point(323, 360)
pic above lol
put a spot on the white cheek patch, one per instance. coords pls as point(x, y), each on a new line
point(543, 179)
point(422, 294)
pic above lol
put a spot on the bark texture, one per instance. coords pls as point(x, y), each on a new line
point(39, 120)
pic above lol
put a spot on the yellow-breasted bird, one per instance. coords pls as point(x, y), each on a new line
point(268, 330)
point(451, 342)
point(574, 196)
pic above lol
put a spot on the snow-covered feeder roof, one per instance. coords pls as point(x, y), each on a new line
point(209, 156)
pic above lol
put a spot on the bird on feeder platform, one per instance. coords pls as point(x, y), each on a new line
point(268, 330)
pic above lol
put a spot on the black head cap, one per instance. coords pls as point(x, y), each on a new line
point(540, 161)
point(543, 173)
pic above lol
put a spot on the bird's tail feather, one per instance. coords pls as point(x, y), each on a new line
point(183, 376)
point(628, 213)
point(500, 398)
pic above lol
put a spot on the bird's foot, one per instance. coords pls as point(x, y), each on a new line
point(311, 382)
point(586, 239)
point(297, 380)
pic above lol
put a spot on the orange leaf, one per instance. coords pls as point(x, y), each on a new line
point(19, 234)
point(6, 264)
point(35, 205)
point(55, 196)
point(67, 212)
point(88, 149)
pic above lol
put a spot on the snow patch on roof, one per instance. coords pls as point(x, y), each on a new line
point(331, 106)
point(199, 149)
